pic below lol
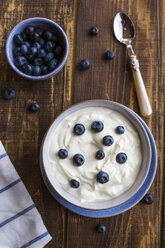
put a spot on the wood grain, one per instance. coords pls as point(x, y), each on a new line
point(22, 132)
point(139, 227)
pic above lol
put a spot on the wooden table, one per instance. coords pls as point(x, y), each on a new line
point(22, 132)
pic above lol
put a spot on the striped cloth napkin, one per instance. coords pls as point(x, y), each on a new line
point(21, 225)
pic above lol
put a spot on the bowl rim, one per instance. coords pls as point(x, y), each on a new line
point(57, 69)
point(98, 101)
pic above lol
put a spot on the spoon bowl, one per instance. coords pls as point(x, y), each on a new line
point(124, 28)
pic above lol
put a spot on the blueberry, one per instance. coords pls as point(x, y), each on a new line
point(36, 70)
point(108, 140)
point(39, 31)
point(52, 64)
point(47, 35)
point(44, 69)
point(27, 69)
point(17, 51)
point(79, 129)
point(58, 50)
point(100, 155)
point(29, 29)
point(37, 61)
point(109, 55)
point(54, 39)
point(63, 153)
point(9, 93)
point(102, 177)
point(41, 42)
point(34, 37)
point(27, 44)
point(94, 31)
point(32, 51)
point(24, 49)
point(34, 107)
point(74, 183)
point(24, 36)
point(101, 228)
point(41, 53)
point(121, 158)
point(37, 45)
point(48, 57)
point(97, 126)
point(148, 199)
point(84, 64)
point(120, 130)
point(20, 61)
point(18, 39)
point(78, 159)
point(30, 57)
point(49, 46)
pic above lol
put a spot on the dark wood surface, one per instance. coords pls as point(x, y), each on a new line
point(22, 132)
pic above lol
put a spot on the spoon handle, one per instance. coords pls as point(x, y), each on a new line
point(144, 104)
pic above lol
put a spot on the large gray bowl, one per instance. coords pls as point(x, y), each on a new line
point(144, 168)
point(44, 24)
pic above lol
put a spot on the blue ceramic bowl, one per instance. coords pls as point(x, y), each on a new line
point(143, 171)
point(44, 24)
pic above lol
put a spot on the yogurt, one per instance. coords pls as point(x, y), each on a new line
point(121, 176)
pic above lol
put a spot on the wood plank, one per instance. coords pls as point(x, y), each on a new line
point(139, 227)
point(21, 131)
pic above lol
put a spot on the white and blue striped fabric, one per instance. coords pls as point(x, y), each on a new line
point(21, 225)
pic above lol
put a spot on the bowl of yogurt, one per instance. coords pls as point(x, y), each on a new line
point(96, 155)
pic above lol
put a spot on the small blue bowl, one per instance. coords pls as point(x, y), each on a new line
point(44, 24)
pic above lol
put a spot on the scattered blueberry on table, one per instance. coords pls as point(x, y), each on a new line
point(37, 51)
point(108, 140)
point(8, 93)
point(63, 153)
point(121, 158)
point(94, 30)
point(148, 199)
point(79, 129)
point(34, 107)
point(102, 177)
point(100, 155)
point(101, 228)
point(120, 129)
point(97, 126)
point(109, 55)
point(74, 183)
point(85, 64)
point(78, 159)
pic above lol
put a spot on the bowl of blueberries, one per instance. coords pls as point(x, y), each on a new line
point(37, 48)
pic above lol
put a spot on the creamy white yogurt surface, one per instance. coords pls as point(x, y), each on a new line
point(121, 176)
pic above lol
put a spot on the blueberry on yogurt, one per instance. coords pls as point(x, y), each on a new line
point(74, 183)
point(120, 130)
point(108, 140)
point(97, 126)
point(63, 153)
point(121, 158)
point(79, 129)
point(100, 155)
point(78, 159)
point(102, 177)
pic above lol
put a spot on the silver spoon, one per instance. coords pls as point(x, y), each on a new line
point(124, 31)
